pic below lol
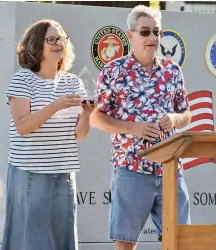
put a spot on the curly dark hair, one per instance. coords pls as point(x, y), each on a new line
point(30, 48)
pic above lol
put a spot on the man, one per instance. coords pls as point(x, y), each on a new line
point(141, 100)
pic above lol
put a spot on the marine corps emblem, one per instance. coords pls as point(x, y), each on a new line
point(108, 44)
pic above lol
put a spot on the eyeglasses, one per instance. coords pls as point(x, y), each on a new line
point(146, 33)
point(53, 40)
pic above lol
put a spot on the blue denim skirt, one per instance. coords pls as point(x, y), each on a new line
point(40, 211)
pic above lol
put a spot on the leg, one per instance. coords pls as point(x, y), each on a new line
point(45, 225)
point(120, 245)
point(54, 227)
point(36, 218)
point(183, 205)
point(156, 213)
point(132, 196)
point(16, 208)
point(183, 202)
point(72, 230)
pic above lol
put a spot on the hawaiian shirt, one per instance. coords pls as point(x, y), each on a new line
point(126, 91)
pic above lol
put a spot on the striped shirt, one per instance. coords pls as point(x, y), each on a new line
point(52, 147)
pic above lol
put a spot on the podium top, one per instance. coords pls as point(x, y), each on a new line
point(184, 145)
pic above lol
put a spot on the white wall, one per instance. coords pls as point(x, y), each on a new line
point(82, 23)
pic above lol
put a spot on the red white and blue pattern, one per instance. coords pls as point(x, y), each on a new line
point(201, 106)
point(126, 91)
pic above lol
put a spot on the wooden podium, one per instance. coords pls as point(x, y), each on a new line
point(167, 152)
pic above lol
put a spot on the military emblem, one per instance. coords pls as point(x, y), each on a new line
point(173, 46)
point(108, 44)
point(210, 55)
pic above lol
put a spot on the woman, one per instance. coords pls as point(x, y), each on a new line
point(47, 120)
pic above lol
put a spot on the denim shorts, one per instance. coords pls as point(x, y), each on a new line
point(40, 211)
point(135, 196)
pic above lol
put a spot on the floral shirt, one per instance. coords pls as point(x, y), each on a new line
point(126, 91)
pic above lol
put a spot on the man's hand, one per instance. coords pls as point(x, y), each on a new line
point(167, 122)
point(145, 130)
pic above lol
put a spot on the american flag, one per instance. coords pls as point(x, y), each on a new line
point(201, 107)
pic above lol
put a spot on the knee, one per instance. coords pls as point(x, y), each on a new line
point(121, 245)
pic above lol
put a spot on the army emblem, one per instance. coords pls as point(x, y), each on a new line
point(108, 44)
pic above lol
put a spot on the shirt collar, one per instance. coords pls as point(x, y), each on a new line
point(156, 64)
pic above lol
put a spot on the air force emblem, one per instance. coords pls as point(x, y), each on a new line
point(210, 55)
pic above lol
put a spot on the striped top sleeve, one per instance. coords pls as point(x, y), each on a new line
point(18, 87)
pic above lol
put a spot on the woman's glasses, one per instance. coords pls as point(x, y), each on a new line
point(53, 40)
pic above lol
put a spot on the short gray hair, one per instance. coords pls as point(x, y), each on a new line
point(142, 10)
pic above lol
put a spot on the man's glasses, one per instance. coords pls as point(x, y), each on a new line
point(146, 33)
point(53, 40)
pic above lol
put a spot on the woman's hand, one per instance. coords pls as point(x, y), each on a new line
point(88, 108)
point(67, 101)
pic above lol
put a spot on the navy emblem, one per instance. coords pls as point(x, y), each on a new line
point(210, 55)
point(172, 46)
